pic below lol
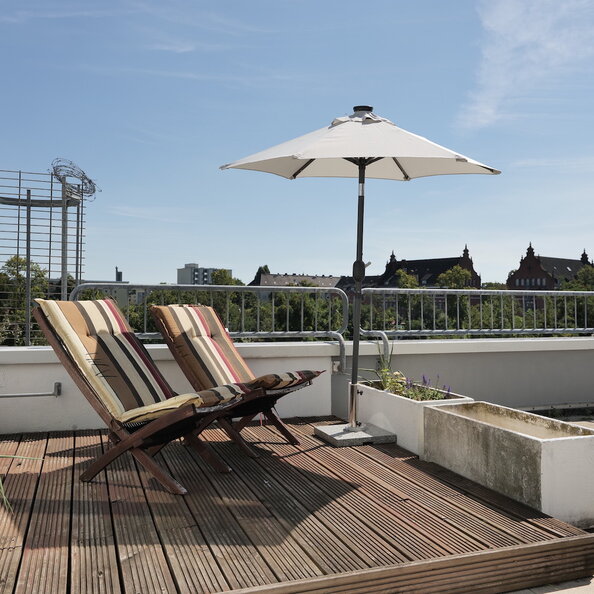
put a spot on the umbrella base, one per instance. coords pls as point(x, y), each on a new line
point(345, 435)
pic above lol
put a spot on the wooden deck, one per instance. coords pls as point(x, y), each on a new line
point(298, 519)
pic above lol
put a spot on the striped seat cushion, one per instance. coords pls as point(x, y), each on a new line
point(207, 354)
point(205, 398)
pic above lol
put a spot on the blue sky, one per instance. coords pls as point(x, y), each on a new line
point(150, 97)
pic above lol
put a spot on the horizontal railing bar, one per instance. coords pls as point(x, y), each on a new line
point(57, 392)
point(479, 292)
point(479, 331)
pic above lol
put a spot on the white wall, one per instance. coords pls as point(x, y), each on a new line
point(35, 369)
point(512, 372)
point(519, 373)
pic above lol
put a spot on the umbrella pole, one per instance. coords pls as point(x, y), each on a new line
point(358, 276)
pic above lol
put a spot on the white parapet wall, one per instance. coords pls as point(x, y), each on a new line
point(515, 372)
point(34, 370)
point(520, 373)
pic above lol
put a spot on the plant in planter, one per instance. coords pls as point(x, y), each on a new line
point(397, 383)
point(397, 404)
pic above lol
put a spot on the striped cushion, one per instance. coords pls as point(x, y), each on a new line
point(207, 354)
point(107, 352)
point(199, 339)
point(282, 381)
point(212, 397)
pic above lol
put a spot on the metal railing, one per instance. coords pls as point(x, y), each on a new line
point(308, 313)
point(42, 224)
point(474, 312)
point(247, 312)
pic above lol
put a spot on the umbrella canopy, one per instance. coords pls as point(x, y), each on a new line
point(361, 145)
point(396, 153)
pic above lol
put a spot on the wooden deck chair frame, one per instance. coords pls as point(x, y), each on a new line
point(146, 439)
point(179, 345)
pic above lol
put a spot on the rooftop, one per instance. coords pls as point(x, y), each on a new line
point(306, 518)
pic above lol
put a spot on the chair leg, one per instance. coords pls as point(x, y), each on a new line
point(206, 453)
point(158, 473)
point(281, 427)
point(104, 460)
point(143, 458)
point(154, 450)
point(242, 423)
point(233, 433)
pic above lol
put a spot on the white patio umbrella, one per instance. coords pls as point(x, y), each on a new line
point(360, 145)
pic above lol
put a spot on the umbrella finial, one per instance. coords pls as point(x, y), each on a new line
point(362, 108)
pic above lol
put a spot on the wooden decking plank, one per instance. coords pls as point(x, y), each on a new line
point(488, 527)
point(20, 484)
point(193, 564)
point(381, 486)
point(495, 518)
point(376, 482)
point(94, 563)
point(397, 532)
point(328, 550)
point(480, 495)
point(45, 563)
point(356, 518)
point(346, 526)
point(486, 571)
point(522, 528)
point(239, 559)
point(140, 554)
point(9, 445)
point(281, 551)
point(538, 519)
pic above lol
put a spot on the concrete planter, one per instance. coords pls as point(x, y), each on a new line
point(542, 462)
point(400, 415)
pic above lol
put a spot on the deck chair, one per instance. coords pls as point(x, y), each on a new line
point(114, 371)
point(206, 354)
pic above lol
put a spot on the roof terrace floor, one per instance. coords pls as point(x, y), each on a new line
point(307, 518)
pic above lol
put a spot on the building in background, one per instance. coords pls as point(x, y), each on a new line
point(544, 273)
point(266, 279)
point(425, 271)
point(193, 274)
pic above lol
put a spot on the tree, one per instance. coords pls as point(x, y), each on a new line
point(494, 286)
point(13, 294)
point(455, 278)
point(222, 277)
point(583, 281)
point(405, 280)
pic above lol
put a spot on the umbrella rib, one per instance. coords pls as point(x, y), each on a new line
point(406, 176)
point(302, 168)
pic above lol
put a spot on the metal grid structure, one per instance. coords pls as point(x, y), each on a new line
point(42, 223)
